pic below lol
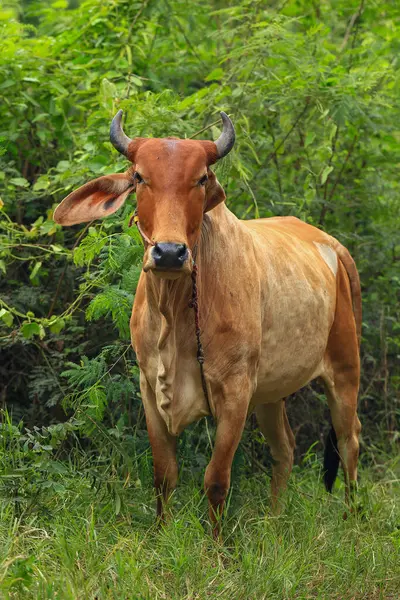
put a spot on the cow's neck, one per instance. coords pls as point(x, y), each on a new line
point(170, 298)
point(177, 382)
point(218, 250)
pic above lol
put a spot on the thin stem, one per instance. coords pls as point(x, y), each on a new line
point(351, 24)
point(298, 118)
point(204, 129)
point(276, 162)
point(84, 230)
point(325, 208)
point(256, 210)
point(330, 162)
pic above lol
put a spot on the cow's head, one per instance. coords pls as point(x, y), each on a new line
point(174, 187)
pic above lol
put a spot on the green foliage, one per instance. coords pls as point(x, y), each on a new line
point(313, 90)
point(70, 531)
point(115, 302)
point(27, 464)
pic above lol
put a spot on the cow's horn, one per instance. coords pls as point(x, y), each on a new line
point(119, 140)
point(227, 138)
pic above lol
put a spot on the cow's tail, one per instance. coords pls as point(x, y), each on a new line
point(331, 460)
point(355, 287)
point(331, 455)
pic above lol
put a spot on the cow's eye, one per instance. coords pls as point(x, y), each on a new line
point(203, 180)
point(137, 177)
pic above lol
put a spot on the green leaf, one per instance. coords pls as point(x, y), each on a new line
point(19, 181)
point(58, 487)
point(63, 165)
point(98, 402)
point(56, 85)
point(332, 131)
point(309, 196)
point(117, 503)
point(128, 54)
point(325, 174)
point(9, 82)
point(310, 137)
point(215, 75)
point(42, 183)
point(57, 325)
point(35, 270)
point(136, 81)
point(28, 330)
point(48, 227)
point(56, 248)
point(108, 91)
point(7, 317)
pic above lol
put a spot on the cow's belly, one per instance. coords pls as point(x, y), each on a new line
point(287, 379)
point(294, 340)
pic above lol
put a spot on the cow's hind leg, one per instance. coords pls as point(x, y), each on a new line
point(274, 425)
point(163, 447)
point(341, 378)
point(342, 391)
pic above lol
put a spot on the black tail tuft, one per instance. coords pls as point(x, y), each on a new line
point(331, 460)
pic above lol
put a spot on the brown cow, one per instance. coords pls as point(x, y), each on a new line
point(279, 304)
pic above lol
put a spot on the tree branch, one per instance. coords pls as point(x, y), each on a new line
point(84, 230)
point(346, 160)
point(298, 118)
point(205, 128)
point(276, 162)
point(350, 26)
point(330, 161)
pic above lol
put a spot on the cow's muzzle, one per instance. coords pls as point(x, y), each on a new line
point(168, 258)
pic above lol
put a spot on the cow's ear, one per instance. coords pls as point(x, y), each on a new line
point(214, 192)
point(96, 199)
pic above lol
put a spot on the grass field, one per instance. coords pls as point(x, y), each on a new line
point(86, 540)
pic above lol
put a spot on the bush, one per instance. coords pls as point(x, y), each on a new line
point(313, 90)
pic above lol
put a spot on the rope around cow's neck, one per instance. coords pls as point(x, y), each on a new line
point(194, 303)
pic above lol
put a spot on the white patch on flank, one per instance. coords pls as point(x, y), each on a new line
point(329, 256)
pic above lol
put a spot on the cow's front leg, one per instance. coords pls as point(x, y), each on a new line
point(163, 447)
point(231, 412)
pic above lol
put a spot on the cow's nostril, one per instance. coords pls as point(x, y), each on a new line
point(181, 251)
point(157, 252)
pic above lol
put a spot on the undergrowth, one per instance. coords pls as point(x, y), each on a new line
point(84, 527)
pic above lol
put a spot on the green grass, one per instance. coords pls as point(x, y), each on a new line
point(86, 542)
